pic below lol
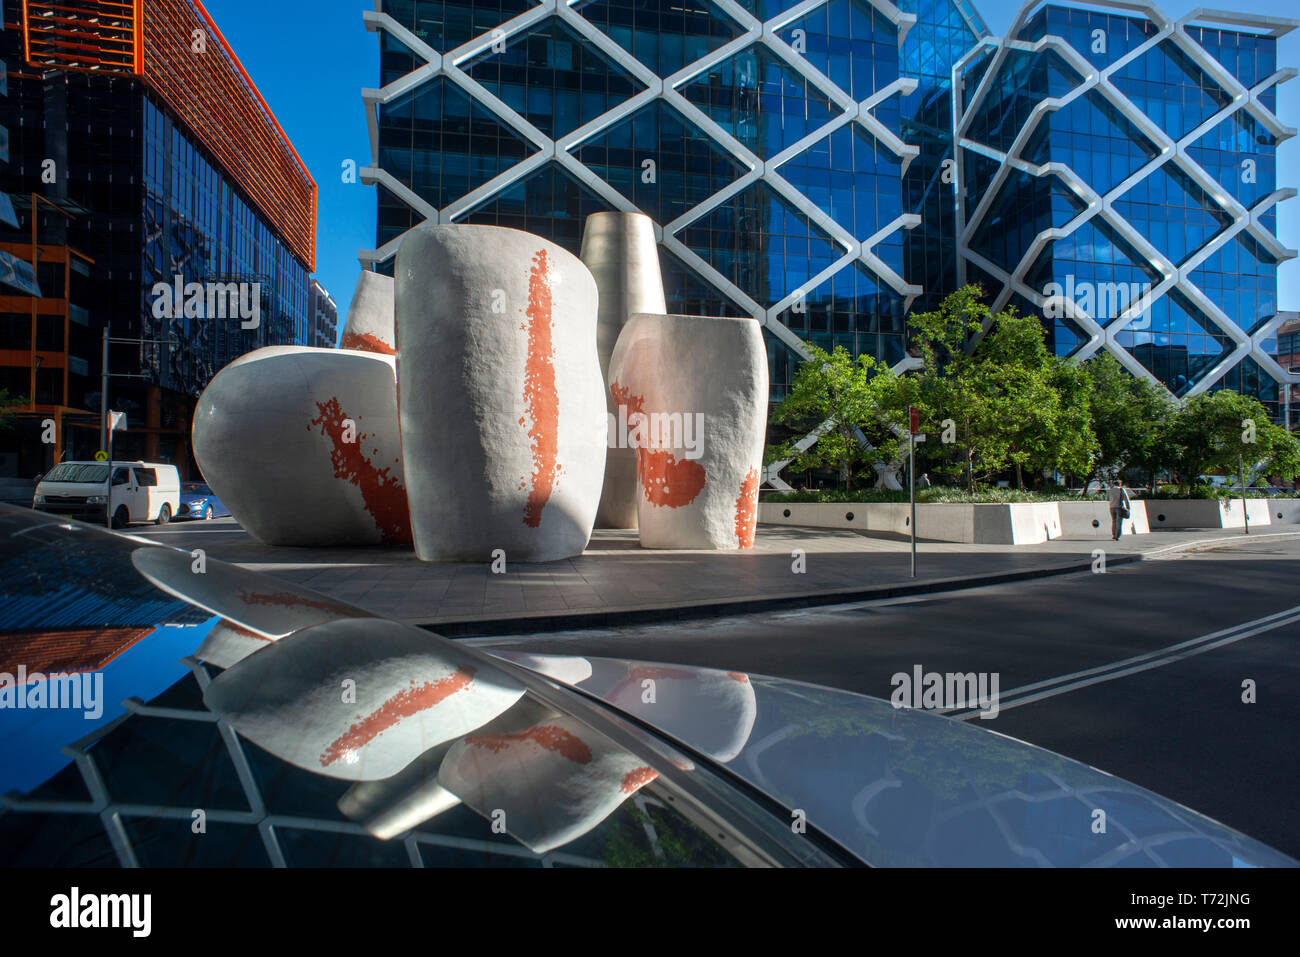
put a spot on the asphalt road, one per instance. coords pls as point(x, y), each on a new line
point(1173, 721)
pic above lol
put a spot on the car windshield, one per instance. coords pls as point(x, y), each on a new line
point(374, 743)
point(77, 472)
point(196, 488)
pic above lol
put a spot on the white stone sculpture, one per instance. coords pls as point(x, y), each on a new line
point(303, 447)
point(694, 391)
point(369, 326)
point(620, 250)
point(502, 404)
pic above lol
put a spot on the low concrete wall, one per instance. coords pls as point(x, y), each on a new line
point(1092, 519)
point(1017, 524)
point(1028, 523)
point(1284, 511)
point(1207, 513)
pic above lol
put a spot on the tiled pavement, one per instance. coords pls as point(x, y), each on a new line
point(616, 577)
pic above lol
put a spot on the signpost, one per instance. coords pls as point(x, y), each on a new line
point(116, 421)
point(913, 428)
point(1245, 506)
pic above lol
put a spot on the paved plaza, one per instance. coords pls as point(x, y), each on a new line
point(616, 581)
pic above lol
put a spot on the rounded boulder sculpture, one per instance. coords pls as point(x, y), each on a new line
point(693, 390)
point(302, 445)
point(501, 398)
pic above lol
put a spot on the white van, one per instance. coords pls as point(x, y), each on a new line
point(141, 492)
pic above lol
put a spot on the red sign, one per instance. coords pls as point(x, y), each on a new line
point(914, 419)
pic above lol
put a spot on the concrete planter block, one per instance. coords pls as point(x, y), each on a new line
point(502, 404)
point(697, 389)
point(1207, 513)
point(1284, 511)
point(1092, 519)
point(369, 326)
point(302, 446)
point(555, 780)
point(1021, 523)
point(357, 700)
point(620, 251)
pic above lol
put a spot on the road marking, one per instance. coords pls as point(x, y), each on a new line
point(1207, 544)
point(1138, 663)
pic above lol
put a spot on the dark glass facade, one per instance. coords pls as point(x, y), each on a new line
point(756, 160)
point(945, 31)
point(145, 200)
point(1155, 249)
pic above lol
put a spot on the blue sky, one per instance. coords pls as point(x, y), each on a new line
point(311, 58)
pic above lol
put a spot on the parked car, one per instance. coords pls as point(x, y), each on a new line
point(221, 691)
point(140, 492)
point(197, 501)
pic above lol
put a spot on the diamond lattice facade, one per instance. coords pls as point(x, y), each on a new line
point(766, 139)
point(1121, 180)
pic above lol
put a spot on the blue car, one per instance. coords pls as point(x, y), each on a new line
point(197, 501)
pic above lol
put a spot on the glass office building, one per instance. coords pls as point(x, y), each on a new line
point(767, 140)
point(1121, 181)
point(800, 162)
point(149, 160)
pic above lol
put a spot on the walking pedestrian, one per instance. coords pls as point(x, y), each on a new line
point(1121, 507)
point(925, 480)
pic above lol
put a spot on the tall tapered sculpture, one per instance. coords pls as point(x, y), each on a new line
point(694, 392)
point(620, 251)
point(302, 445)
point(369, 327)
point(502, 404)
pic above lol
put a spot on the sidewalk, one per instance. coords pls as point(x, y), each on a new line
point(615, 581)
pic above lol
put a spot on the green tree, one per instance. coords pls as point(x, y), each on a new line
point(849, 397)
point(1213, 432)
point(1130, 417)
point(946, 390)
point(1007, 401)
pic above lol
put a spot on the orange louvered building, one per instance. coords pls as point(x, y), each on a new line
point(139, 149)
point(174, 46)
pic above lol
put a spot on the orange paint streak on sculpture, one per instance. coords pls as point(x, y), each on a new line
point(245, 632)
point(540, 395)
point(384, 495)
point(365, 342)
point(665, 480)
point(747, 510)
point(636, 779)
point(546, 736)
point(391, 712)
